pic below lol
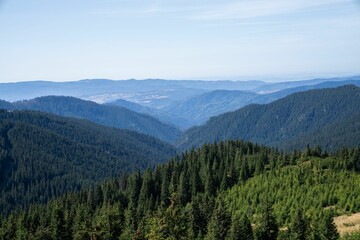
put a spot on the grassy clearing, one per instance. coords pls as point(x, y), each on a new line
point(348, 223)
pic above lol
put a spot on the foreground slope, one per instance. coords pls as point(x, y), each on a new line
point(110, 116)
point(283, 122)
point(43, 155)
point(220, 191)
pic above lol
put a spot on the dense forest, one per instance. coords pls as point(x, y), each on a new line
point(111, 116)
point(325, 117)
point(331, 137)
point(228, 190)
point(43, 155)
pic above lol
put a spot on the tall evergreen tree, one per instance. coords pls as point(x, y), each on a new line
point(299, 228)
point(58, 224)
point(172, 224)
point(240, 229)
point(328, 228)
point(220, 222)
point(267, 228)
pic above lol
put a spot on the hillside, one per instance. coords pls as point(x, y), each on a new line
point(43, 155)
point(283, 121)
point(110, 116)
point(330, 137)
point(231, 190)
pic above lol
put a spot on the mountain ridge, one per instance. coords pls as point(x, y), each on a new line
point(111, 116)
point(280, 121)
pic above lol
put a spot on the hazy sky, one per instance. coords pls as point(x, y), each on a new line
point(63, 40)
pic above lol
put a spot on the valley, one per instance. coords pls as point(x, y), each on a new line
point(142, 170)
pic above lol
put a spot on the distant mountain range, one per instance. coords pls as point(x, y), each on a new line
point(43, 155)
point(166, 117)
point(179, 103)
point(104, 90)
point(274, 87)
point(106, 115)
point(311, 117)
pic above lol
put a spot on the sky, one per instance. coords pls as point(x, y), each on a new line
point(63, 40)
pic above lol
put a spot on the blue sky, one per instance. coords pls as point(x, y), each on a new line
point(61, 40)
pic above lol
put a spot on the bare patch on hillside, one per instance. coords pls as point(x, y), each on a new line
point(348, 223)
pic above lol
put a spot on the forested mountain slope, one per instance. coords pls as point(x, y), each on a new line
point(43, 155)
point(231, 190)
point(111, 116)
point(330, 137)
point(283, 122)
point(200, 108)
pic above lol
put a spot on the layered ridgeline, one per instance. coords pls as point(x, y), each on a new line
point(111, 116)
point(162, 115)
point(182, 103)
point(157, 91)
point(326, 117)
point(43, 155)
point(231, 190)
point(200, 108)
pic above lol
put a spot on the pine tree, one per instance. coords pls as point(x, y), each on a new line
point(21, 231)
point(220, 222)
point(240, 229)
point(244, 171)
point(328, 228)
point(183, 189)
point(165, 194)
point(145, 196)
point(58, 224)
point(173, 223)
point(210, 188)
point(267, 228)
point(82, 223)
point(299, 227)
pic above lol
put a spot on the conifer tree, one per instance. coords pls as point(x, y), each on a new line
point(58, 224)
point(240, 229)
point(328, 228)
point(299, 228)
point(173, 223)
point(267, 228)
point(244, 171)
point(183, 189)
point(220, 222)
